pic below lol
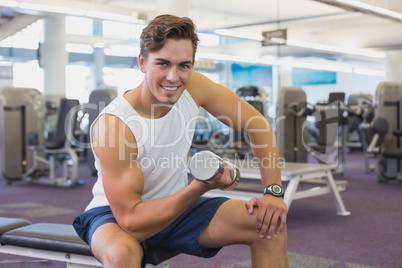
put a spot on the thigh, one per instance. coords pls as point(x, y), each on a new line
point(232, 224)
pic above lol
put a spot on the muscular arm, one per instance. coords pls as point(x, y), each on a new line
point(123, 182)
point(233, 111)
point(240, 115)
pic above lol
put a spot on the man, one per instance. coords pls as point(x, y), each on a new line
point(141, 141)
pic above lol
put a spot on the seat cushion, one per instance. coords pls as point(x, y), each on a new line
point(7, 224)
point(393, 153)
point(60, 238)
point(47, 236)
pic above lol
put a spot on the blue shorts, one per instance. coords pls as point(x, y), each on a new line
point(181, 235)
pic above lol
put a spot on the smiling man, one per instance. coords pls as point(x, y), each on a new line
point(142, 197)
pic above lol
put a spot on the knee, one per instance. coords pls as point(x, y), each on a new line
point(276, 239)
point(123, 255)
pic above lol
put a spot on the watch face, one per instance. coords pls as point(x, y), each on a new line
point(277, 189)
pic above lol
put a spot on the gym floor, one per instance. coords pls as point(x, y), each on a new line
point(370, 237)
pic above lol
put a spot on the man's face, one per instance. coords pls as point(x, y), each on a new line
point(168, 71)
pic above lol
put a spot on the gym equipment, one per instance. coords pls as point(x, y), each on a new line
point(59, 242)
point(388, 102)
point(60, 158)
point(317, 180)
point(21, 112)
point(98, 100)
point(373, 134)
point(297, 137)
point(331, 121)
point(291, 131)
point(207, 167)
point(24, 153)
point(360, 112)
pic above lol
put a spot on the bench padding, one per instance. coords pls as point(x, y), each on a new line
point(47, 236)
point(7, 224)
point(393, 153)
point(59, 238)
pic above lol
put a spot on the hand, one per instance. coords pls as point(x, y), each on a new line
point(271, 214)
point(221, 180)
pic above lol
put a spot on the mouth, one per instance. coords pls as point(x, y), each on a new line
point(170, 89)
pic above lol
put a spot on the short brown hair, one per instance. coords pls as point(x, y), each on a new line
point(154, 35)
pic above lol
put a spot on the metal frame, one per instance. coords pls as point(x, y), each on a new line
point(71, 260)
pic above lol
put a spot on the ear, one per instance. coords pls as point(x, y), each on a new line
point(141, 62)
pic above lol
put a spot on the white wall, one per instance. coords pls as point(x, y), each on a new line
point(345, 82)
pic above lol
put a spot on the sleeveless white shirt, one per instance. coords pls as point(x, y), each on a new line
point(163, 146)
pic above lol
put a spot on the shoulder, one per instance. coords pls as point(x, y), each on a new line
point(208, 94)
point(201, 88)
point(110, 133)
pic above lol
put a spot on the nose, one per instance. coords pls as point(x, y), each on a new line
point(172, 75)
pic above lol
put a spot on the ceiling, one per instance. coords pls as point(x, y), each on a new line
point(314, 21)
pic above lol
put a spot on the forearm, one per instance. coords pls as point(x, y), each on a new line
point(265, 150)
point(148, 218)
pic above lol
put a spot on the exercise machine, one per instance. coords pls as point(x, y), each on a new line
point(58, 155)
point(21, 112)
point(331, 120)
point(360, 112)
point(388, 106)
point(373, 135)
point(291, 126)
point(25, 154)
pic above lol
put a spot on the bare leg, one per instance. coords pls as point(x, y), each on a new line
point(233, 225)
point(113, 247)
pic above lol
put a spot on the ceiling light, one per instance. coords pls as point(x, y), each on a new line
point(365, 8)
point(368, 72)
point(372, 8)
point(238, 34)
point(302, 44)
point(359, 52)
point(111, 16)
point(53, 9)
point(93, 13)
point(9, 3)
point(319, 65)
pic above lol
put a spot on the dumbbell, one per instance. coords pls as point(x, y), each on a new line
point(207, 167)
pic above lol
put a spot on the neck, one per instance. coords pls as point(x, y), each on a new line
point(145, 104)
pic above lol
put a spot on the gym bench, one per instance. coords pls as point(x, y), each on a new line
point(319, 175)
point(59, 242)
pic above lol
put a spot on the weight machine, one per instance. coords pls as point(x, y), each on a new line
point(24, 153)
point(388, 106)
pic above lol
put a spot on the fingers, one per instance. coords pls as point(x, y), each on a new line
point(271, 219)
point(262, 222)
point(273, 224)
point(250, 205)
point(282, 223)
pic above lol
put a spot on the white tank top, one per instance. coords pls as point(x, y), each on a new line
point(163, 146)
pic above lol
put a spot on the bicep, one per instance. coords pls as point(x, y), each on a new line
point(122, 178)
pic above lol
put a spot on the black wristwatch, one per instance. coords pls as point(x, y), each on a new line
point(275, 190)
